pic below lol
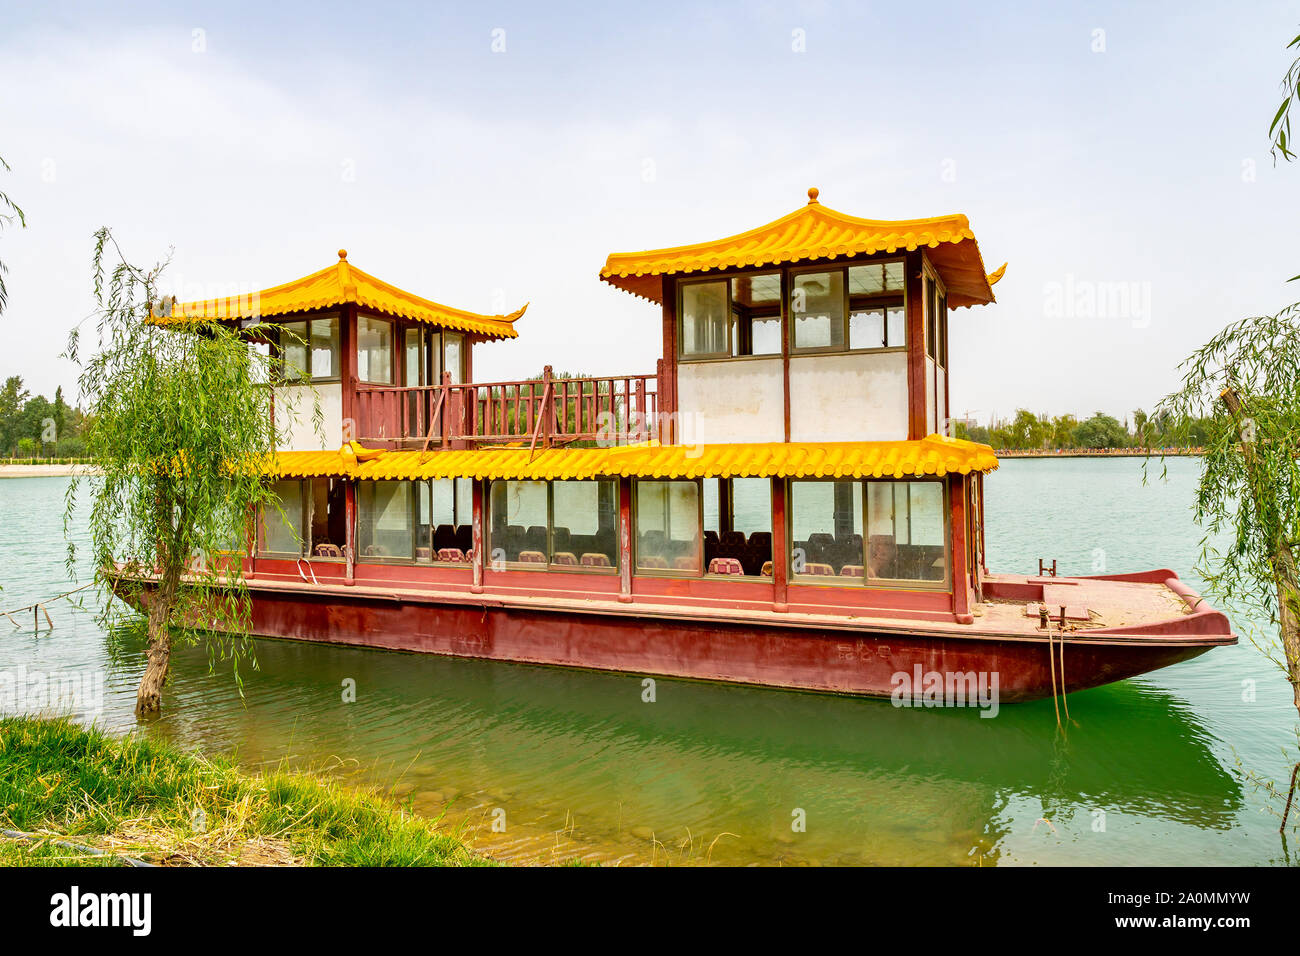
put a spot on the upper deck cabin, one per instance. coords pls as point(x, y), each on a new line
point(815, 327)
point(818, 326)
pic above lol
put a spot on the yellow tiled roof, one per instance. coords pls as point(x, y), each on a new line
point(336, 285)
point(934, 455)
point(816, 232)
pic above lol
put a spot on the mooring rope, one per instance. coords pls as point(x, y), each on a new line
point(41, 607)
point(1051, 666)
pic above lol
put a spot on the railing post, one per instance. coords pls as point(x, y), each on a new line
point(548, 438)
point(642, 420)
point(659, 427)
point(446, 409)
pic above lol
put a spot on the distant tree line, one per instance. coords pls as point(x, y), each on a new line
point(33, 426)
point(1028, 431)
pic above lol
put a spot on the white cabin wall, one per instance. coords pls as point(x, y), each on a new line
point(734, 400)
point(860, 396)
point(294, 407)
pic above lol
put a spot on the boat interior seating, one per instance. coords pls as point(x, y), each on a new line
point(732, 546)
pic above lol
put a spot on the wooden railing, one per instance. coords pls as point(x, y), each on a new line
point(543, 413)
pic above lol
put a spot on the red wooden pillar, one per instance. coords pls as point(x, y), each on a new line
point(477, 536)
point(350, 540)
point(914, 284)
point(780, 547)
point(625, 540)
point(668, 376)
point(960, 576)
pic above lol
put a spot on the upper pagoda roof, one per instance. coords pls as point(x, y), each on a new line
point(817, 232)
point(339, 284)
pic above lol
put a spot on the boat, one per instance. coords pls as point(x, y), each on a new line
point(779, 503)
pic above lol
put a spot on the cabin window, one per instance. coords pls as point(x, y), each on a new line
point(309, 350)
point(756, 314)
point(282, 526)
point(584, 525)
point(705, 319)
point(445, 521)
point(261, 354)
point(421, 355)
point(327, 517)
point(385, 520)
point(519, 524)
point(668, 519)
point(826, 531)
point(738, 526)
point(559, 524)
point(876, 315)
point(936, 322)
point(907, 531)
point(817, 310)
point(852, 307)
point(453, 356)
point(374, 350)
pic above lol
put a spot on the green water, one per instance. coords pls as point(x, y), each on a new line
point(582, 767)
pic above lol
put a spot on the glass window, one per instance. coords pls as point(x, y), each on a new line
point(584, 524)
point(668, 526)
point(325, 348)
point(867, 329)
point(293, 347)
point(259, 361)
point(906, 538)
point(374, 350)
point(282, 527)
point(414, 359)
point(817, 310)
point(519, 522)
point(756, 313)
point(385, 520)
point(328, 512)
point(453, 357)
point(738, 523)
point(704, 318)
point(876, 278)
point(826, 531)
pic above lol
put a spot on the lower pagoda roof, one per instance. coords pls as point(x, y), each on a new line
point(933, 456)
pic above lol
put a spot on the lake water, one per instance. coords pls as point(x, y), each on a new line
point(578, 766)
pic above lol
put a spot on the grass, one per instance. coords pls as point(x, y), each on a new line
point(138, 798)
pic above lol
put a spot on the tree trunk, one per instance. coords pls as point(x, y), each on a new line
point(148, 698)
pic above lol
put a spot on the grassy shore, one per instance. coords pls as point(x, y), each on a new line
point(136, 798)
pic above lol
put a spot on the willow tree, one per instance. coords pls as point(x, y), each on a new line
point(178, 423)
point(1247, 380)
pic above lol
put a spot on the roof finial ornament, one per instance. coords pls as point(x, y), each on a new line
point(343, 254)
point(813, 193)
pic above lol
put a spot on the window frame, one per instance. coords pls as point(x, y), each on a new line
point(396, 345)
point(306, 512)
point(637, 570)
point(865, 582)
point(549, 565)
point(788, 272)
point(272, 333)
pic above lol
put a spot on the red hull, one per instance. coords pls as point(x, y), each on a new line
point(802, 653)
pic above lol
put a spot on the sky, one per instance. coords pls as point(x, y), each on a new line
point(486, 155)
